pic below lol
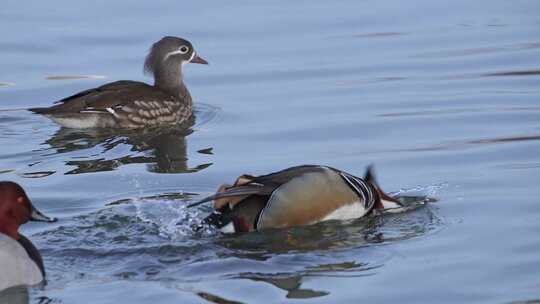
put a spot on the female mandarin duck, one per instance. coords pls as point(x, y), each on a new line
point(295, 196)
point(132, 104)
point(20, 261)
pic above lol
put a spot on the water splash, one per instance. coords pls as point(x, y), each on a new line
point(419, 191)
point(172, 218)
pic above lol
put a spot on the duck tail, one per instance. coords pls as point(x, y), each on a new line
point(384, 200)
point(39, 110)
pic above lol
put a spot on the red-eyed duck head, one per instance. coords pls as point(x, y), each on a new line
point(17, 209)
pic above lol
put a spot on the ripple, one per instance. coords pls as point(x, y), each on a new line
point(379, 35)
point(215, 299)
point(478, 50)
point(374, 80)
point(531, 301)
point(75, 77)
point(37, 174)
point(205, 114)
point(533, 72)
point(520, 166)
point(459, 111)
point(454, 145)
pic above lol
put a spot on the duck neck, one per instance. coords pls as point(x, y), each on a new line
point(10, 229)
point(170, 80)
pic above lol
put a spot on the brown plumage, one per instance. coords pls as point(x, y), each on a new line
point(295, 196)
point(133, 104)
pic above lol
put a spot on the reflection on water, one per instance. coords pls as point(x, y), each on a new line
point(215, 299)
point(532, 301)
point(164, 151)
point(6, 84)
point(77, 151)
point(460, 145)
point(321, 236)
point(290, 283)
point(514, 73)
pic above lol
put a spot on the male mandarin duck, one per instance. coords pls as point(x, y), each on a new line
point(296, 196)
point(133, 104)
point(20, 261)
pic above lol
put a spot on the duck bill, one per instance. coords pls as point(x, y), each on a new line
point(37, 216)
point(197, 59)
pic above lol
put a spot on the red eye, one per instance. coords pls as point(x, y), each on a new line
point(21, 201)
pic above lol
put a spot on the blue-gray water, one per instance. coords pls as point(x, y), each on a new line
point(443, 97)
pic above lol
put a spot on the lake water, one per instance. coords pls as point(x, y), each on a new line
point(443, 97)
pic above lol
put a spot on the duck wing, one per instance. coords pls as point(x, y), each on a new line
point(286, 175)
point(259, 185)
point(105, 98)
point(237, 191)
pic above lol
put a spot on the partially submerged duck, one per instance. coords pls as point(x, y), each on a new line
point(133, 104)
point(296, 196)
point(20, 261)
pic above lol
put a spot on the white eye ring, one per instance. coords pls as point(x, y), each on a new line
point(183, 49)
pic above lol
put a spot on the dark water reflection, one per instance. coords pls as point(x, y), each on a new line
point(164, 151)
point(292, 284)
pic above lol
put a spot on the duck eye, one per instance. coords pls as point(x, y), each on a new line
point(183, 49)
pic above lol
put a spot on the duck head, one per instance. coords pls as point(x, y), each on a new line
point(165, 61)
point(170, 53)
point(16, 209)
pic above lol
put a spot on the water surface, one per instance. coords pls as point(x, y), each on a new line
point(441, 97)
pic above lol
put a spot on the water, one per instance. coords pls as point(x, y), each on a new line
point(441, 97)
